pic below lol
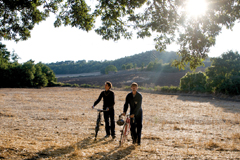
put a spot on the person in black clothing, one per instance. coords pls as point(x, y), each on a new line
point(134, 99)
point(108, 104)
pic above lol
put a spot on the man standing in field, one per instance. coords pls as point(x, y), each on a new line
point(134, 99)
point(108, 104)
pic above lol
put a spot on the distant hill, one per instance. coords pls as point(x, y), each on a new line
point(137, 60)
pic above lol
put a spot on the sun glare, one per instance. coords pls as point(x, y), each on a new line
point(196, 7)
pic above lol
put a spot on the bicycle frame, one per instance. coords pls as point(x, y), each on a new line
point(98, 122)
point(125, 131)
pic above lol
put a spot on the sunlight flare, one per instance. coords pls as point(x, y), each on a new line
point(196, 8)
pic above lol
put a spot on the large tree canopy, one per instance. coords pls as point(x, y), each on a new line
point(167, 19)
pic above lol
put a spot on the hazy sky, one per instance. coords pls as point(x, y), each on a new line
point(48, 44)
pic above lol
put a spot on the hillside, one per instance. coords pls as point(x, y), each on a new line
point(137, 60)
point(125, 78)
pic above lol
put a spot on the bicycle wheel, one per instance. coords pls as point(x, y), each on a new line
point(97, 127)
point(124, 133)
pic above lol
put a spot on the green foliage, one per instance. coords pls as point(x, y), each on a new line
point(40, 80)
point(124, 67)
point(55, 84)
point(28, 70)
point(135, 66)
point(102, 71)
point(193, 82)
point(129, 66)
point(224, 74)
point(167, 18)
point(160, 67)
point(222, 77)
point(168, 89)
point(142, 66)
point(18, 18)
point(155, 66)
point(47, 72)
point(28, 74)
point(81, 66)
point(4, 56)
point(110, 68)
point(164, 61)
point(150, 66)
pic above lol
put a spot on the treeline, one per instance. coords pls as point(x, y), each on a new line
point(28, 74)
point(134, 61)
point(150, 61)
point(222, 77)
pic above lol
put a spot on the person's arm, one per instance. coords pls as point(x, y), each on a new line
point(98, 100)
point(125, 107)
point(139, 105)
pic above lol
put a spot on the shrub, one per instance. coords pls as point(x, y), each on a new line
point(66, 85)
point(55, 84)
point(110, 68)
point(169, 89)
point(224, 74)
point(193, 82)
point(75, 85)
point(85, 85)
point(89, 86)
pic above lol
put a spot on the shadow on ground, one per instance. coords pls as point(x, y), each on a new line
point(228, 105)
point(89, 142)
point(115, 153)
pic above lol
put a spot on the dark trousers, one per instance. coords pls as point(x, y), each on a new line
point(109, 115)
point(136, 129)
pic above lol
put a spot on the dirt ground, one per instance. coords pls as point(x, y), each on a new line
point(58, 123)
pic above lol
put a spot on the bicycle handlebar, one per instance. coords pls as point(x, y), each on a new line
point(128, 115)
point(100, 110)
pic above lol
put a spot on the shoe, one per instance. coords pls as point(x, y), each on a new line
point(113, 137)
point(134, 141)
point(106, 136)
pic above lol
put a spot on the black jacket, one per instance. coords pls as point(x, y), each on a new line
point(108, 99)
point(135, 104)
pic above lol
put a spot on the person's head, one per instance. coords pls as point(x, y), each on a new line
point(108, 85)
point(134, 86)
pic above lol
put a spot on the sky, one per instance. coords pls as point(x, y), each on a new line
point(49, 44)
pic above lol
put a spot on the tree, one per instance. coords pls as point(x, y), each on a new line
point(110, 68)
point(193, 82)
point(49, 74)
point(123, 67)
point(119, 18)
point(135, 66)
point(155, 66)
point(129, 66)
point(4, 56)
point(28, 72)
point(150, 66)
point(224, 74)
point(40, 79)
point(142, 65)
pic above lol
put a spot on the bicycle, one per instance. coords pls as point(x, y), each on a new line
point(126, 129)
point(98, 122)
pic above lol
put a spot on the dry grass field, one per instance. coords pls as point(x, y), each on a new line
point(58, 123)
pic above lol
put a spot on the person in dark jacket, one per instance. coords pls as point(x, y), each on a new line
point(108, 104)
point(134, 99)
